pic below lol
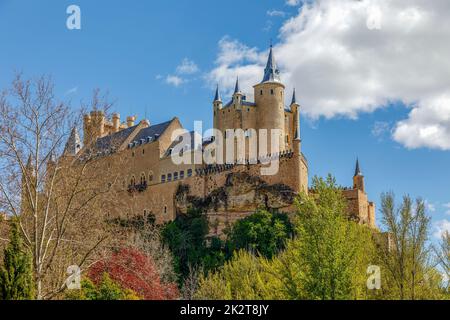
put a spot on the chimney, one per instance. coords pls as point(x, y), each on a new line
point(130, 121)
point(116, 122)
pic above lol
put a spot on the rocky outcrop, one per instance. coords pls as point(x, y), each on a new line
point(240, 193)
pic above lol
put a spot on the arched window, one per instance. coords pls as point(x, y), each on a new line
point(175, 176)
point(143, 179)
point(181, 175)
point(189, 172)
point(169, 177)
point(271, 91)
point(133, 181)
point(163, 178)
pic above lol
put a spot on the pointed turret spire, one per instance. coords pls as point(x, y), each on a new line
point(357, 169)
point(73, 145)
point(294, 99)
point(217, 96)
point(271, 72)
point(237, 88)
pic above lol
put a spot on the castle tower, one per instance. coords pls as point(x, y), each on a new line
point(93, 126)
point(269, 99)
point(296, 142)
point(217, 106)
point(358, 178)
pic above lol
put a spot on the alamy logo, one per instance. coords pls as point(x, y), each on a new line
point(374, 280)
point(74, 20)
point(73, 281)
point(374, 18)
point(235, 146)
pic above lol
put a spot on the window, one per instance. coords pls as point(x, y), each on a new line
point(169, 177)
point(143, 151)
point(170, 151)
point(163, 178)
point(143, 179)
point(271, 91)
point(132, 154)
point(261, 93)
point(287, 138)
point(175, 176)
point(181, 174)
point(165, 209)
point(133, 181)
point(189, 172)
point(150, 176)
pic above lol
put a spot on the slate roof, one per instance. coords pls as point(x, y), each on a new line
point(114, 140)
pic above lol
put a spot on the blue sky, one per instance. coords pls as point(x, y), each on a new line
point(133, 48)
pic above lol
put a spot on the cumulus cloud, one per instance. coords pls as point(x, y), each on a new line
point(441, 227)
point(346, 57)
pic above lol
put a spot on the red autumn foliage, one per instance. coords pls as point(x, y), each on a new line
point(134, 270)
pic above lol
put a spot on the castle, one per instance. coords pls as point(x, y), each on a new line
point(152, 183)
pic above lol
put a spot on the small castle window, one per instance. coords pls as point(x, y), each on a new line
point(189, 172)
point(170, 151)
point(165, 209)
point(181, 174)
point(175, 176)
point(261, 93)
point(143, 151)
point(143, 179)
point(163, 178)
point(150, 176)
point(169, 177)
point(271, 91)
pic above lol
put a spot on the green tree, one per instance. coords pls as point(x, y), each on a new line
point(406, 256)
point(186, 237)
point(244, 277)
point(16, 279)
point(331, 254)
point(263, 232)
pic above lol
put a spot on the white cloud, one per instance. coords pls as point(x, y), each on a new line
point(441, 227)
point(276, 13)
point(447, 207)
point(344, 59)
point(187, 67)
point(71, 91)
point(176, 81)
point(430, 206)
point(380, 129)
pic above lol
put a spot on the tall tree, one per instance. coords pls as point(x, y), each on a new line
point(405, 255)
point(57, 197)
point(331, 253)
point(16, 278)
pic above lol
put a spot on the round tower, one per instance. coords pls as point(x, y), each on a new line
point(269, 99)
